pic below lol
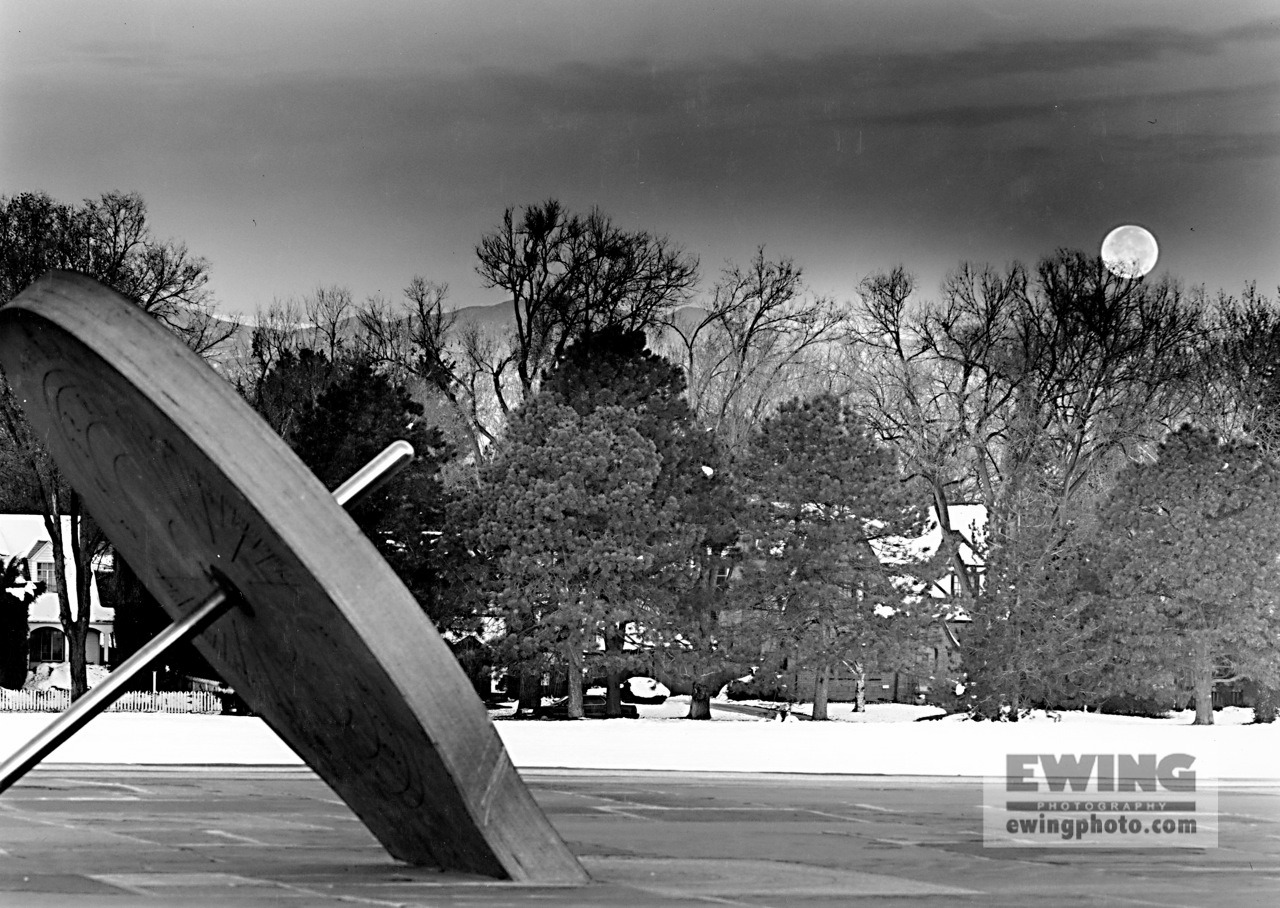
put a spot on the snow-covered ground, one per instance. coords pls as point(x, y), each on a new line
point(883, 741)
point(58, 677)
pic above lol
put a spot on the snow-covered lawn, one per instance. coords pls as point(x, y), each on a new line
point(843, 712)
point(885, 740)
point(882, 741)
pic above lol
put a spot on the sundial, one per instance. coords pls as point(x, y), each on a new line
point(255, 560)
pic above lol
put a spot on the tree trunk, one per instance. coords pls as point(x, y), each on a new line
point(700, 701)
point(614, 679)
point(860, 691)
point(77, 634)
point(1203, 680)
point(614, 675)
point(83, 547)
point(573, 675)
point(530, 687)
point(1266, 704)
point(821, 688)
point(1204, 699)
point(952, 539)
point(75, 627)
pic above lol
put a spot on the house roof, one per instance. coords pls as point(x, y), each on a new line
point(969, 520)
point(24, 536)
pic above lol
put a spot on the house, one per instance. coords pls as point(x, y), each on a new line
point(970, 522)
point(886, 683)
point(24, 536)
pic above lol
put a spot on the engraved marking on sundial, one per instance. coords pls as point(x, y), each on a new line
point(210, 507)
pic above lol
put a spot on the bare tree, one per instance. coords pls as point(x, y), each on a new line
point(330, 317)
point(416, 339)
point(755, 344)
point(1011, 376)
point(1238, 386)
point(324, 322)
point(566, 274)
point(24, 460)
point(109, 239)
point(273, 333)
point(483, 361)
point(205, 330)
point(411, 337)
point(939, 418)
point(1024, 392)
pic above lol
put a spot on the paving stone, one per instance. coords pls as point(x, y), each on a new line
point(196, 838)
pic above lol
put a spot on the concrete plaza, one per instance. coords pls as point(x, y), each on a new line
point(103, 837)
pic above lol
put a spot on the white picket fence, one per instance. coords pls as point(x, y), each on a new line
point(134, 701)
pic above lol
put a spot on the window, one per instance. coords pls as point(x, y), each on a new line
point(46, 574)
point(48, 645)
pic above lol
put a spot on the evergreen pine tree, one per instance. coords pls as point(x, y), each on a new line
point(1189, 565)
point(614, 368)
point(567, 515)
point(16, 595)
point(358, 414)
point(824, 491)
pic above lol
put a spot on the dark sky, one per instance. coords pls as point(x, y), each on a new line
point(295, 144)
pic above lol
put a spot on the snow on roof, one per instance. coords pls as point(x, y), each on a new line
point(969, 520)
point(24, 536)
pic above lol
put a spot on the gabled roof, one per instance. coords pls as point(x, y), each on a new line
point(969, 520)
point(24, 536)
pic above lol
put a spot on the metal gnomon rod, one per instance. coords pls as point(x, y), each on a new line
point(329, 647)
point(362, 483)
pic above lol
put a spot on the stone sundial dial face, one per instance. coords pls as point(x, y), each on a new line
point(326, 644)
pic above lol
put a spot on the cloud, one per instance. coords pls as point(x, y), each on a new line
point(112, 55)
point(841, 78)
point(1086, 84)
point(1201, 148)
point(886, 140)
point(1143, 105)
point(697, 103)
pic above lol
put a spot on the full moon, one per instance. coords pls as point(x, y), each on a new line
point(1130, 251)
